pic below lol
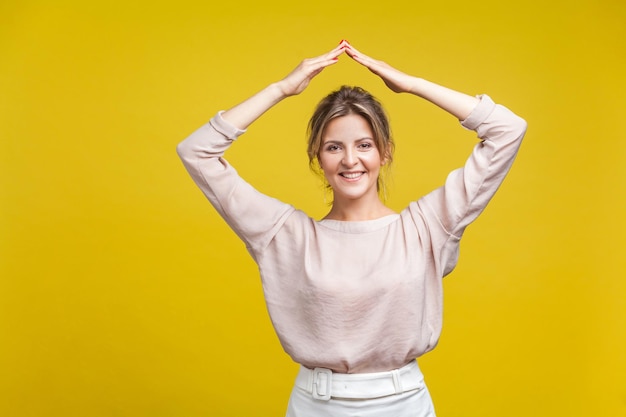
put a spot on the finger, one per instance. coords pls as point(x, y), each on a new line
point(333, 53)
point(358, 56)
point(327, 59)
point(364, 60)
point(314, 66)
point(327, 62)
point(342, 45)
point(352, 51)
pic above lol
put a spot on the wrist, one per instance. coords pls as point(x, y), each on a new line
point(415, 86)
point(279, 90)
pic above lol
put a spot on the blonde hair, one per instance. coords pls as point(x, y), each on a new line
point(351, 100)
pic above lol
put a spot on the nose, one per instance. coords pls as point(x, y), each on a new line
point(349, 158)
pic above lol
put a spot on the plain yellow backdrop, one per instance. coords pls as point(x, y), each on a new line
point(122, 293)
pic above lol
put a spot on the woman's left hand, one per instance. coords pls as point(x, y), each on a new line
point(396, 80)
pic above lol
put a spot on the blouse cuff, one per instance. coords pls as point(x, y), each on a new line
point(225, 128)
point(480, 113)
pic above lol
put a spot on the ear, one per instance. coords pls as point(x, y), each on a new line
point(384, 158)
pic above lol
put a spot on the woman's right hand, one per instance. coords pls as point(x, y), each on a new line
point(298, 79)
point(246, 112)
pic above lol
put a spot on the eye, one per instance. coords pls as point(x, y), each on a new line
point(332, 147)
point(365, 145)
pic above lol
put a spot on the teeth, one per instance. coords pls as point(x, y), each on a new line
point(352, 175)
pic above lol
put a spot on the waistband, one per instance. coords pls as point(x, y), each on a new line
point(323, 384)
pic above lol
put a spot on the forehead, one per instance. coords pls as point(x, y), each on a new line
point(351, 126)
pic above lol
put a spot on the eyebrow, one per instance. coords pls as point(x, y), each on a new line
point(339, 142)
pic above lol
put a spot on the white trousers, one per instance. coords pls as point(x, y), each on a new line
point(398, 393)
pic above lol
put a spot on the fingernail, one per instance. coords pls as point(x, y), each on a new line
point(341, 41)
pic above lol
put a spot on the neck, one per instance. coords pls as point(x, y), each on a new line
point(358, 210)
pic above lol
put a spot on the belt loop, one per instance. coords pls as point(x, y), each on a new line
point(397, 382)
point(322, 383)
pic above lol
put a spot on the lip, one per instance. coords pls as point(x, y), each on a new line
point(352, 176)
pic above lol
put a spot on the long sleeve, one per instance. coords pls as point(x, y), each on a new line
point(254, 216)
point(451, 208)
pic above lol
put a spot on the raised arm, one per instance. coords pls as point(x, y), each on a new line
point(243, 114)
point(456, 103)
point(449, 209)
point(251, 214)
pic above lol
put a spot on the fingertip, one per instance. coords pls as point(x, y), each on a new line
point(344, 43)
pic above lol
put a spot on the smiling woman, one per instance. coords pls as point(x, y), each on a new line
point(350, 137)
point(351, 163)
point(355, 297)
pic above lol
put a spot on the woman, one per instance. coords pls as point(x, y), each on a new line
point(355, 297)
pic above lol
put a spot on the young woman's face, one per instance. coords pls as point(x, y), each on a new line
point(349, 158)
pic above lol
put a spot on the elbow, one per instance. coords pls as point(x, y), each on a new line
point(517, 128)
point(522, 126)
point(180, 149)
point(184, 150)
point(185, 153)
point(521, 129)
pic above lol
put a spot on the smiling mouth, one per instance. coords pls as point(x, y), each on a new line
point(352, 175)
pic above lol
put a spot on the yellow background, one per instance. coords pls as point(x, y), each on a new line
point(122, 293)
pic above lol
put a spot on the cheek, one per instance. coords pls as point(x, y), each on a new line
point(323, 164)
point(374, 160)
point(327, 170)
point(326, 161)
